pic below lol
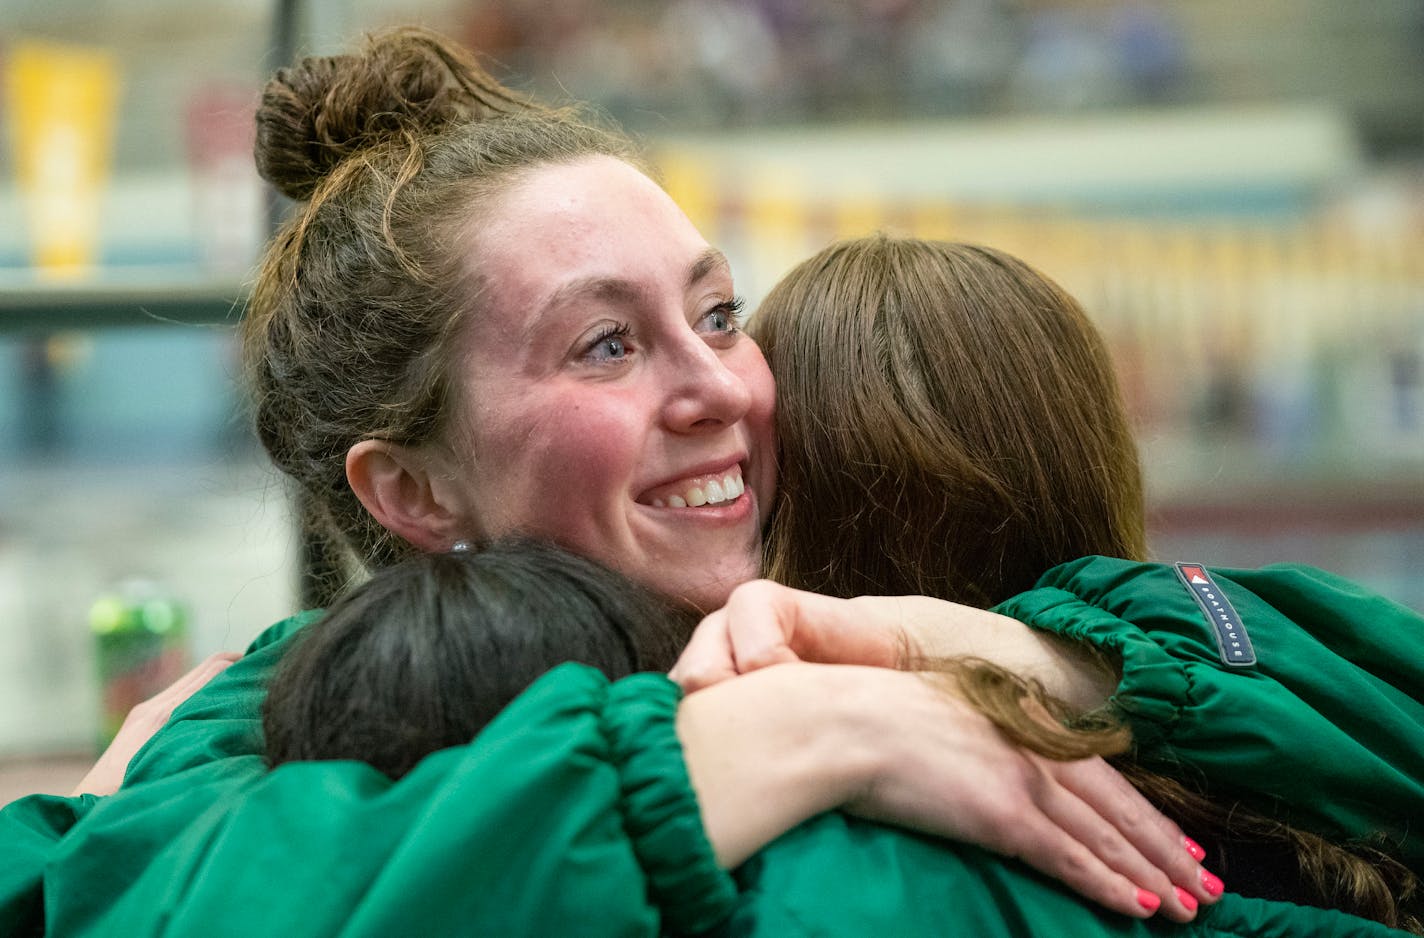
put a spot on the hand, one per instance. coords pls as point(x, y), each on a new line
point(777, 746)
point(896, 747)
point(765, 623)
point(143, 721)
point(1079, 822)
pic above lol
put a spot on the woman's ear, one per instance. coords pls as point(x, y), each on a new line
point(406, 494)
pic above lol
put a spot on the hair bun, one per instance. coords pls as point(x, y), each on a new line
point(315, 114)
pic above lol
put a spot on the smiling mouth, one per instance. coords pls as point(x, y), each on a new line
point(698, 491)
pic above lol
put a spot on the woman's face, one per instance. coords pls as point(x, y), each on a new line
point(612, 404)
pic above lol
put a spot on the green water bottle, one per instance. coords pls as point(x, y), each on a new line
point(140, 647)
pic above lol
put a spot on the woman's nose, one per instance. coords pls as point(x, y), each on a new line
point(706, 390)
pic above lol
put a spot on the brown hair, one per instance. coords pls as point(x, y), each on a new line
point(938, 448)
point(951, 426)
point(349, 335)
point(1359, 878)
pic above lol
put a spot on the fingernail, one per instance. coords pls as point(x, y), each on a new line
point(1211, 884)
point(1148, 900)
point(1186, 899)
point(1194, 848)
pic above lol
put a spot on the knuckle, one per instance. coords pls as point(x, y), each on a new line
point(145, 711)
point(755, 660)
point(766, 655)
point(750, 590)
point(690, 679)
point(1038, 781)
point(1008, 817)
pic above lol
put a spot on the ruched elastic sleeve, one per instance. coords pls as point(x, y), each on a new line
point(220, 727)
point(571, 813)
point(659, 807)
point(1326, 730)
point(30, 831)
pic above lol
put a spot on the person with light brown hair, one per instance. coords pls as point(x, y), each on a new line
point(950, 426)
point(485, 319)
point(951, 415)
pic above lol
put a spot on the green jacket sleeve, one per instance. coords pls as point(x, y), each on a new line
point(219, 724)
point(30, 831)
point(1325, 731)
point(570, 814)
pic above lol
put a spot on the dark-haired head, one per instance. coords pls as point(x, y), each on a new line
point(426, 652)
point(950, 425)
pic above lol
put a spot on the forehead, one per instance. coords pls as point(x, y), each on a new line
point(594, 217)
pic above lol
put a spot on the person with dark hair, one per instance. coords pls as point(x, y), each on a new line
point(484, 319)
point(428, 651)
point(952, 415)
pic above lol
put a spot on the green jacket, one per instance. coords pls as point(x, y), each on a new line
point(1325, 731)
point(572, 813)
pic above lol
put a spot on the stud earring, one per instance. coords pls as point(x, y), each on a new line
point(460, 547)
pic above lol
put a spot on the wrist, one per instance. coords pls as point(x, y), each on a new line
point(1067, 670)
point(770, 749)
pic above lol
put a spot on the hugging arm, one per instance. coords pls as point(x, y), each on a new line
point(927, 754)
point(584, 807)
point(1322, 732)
point(765, 623)
point(144, 720)
point(575, 770)
point(893, 747)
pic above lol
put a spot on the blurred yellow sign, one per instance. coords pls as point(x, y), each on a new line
point(61, 102)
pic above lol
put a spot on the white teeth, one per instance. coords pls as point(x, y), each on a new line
point(711, 491)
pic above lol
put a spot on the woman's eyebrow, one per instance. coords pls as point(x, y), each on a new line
point(611, 289)
point(604, 288)
point(708, 261)
point(616, 288)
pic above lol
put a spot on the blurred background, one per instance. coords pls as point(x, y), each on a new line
point(1234, 190)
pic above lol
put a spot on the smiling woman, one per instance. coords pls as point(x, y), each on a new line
point(608, 377)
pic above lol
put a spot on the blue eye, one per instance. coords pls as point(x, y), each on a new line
point(724, 317)
point(611, 344)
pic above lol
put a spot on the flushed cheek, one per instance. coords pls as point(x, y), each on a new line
point(577, 468)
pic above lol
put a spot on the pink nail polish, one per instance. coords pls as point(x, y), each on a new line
point(1211, 884)
point(1194, 848)
point(1148, 900)
point(1188, 901)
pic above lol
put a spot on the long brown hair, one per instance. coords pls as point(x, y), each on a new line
point(1359, 878)
point(952, 420)
point(390, 153)
point(951, 426)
